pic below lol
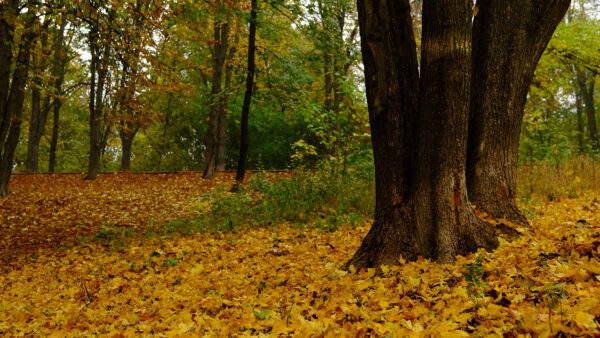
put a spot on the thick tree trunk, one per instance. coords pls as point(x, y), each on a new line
point(509, 38)
point(391, 75)
point(127, 137)
point(212, 140)
point(241, 169)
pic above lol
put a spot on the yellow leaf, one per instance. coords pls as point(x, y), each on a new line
point(585, 320)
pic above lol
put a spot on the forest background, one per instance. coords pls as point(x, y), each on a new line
point(163, 82)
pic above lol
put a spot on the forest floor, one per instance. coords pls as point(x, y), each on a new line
point(65, 274)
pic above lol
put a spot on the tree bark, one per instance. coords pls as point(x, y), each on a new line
point(39, 110)
point(509, 38)
point(98, 71)
point(223, 112)
point(586, 82)
point(241, 169)
point(579, 109)
point(60, 62)
point(6, 57)
point(127, 137)
point(391, 75)
point(10, 126)
point(54, 140)
point(212, 141)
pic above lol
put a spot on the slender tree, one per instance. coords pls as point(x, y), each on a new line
point(59, 67)
point(241, 169)
point(214, 155)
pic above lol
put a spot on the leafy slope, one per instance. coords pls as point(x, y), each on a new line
point(53, 210)
point(286, 281)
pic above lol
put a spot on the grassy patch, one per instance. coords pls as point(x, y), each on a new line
point(307, 199)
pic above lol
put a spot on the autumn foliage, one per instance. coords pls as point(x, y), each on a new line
point(275, 281)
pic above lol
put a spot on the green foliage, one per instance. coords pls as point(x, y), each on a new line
point(473, 275)
point(113, 235)
point(262, 314)
point(553, 294)
point(552, 130)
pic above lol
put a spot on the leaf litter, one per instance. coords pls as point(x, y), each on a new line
point(286, 280)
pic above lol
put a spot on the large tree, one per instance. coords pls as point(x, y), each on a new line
point(419, 133)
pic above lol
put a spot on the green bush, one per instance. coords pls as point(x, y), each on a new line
point(321, 199)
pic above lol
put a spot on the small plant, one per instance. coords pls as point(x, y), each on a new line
point(172, 261)
point(109, 233)
point(473, 276)
point(553, 294)
point(262, 314)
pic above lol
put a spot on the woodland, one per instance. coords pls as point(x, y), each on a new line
point(299, 168)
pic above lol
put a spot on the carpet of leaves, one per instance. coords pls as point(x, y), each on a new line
point(53, 210)
point(286, 281)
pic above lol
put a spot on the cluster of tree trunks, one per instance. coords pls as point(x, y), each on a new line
point(453, 139)
point(98, 76)
point(216, 137)
point(40, 109)
point(13, 79)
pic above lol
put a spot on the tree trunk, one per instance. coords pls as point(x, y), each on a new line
point(60, 62)
point(223, 112)
point(39, 111)
point(509, 38)
point(98, 71)
point(10, 127)
point(127, 137)
point(579, 108)
point(54, 141)
point(241, 169)
point(391, 75)
point(212, 141)
point(586, 81)
point(6, 55)
point(39, 116)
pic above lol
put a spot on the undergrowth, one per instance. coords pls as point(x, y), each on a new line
point(316, 199)
point(549, 182)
